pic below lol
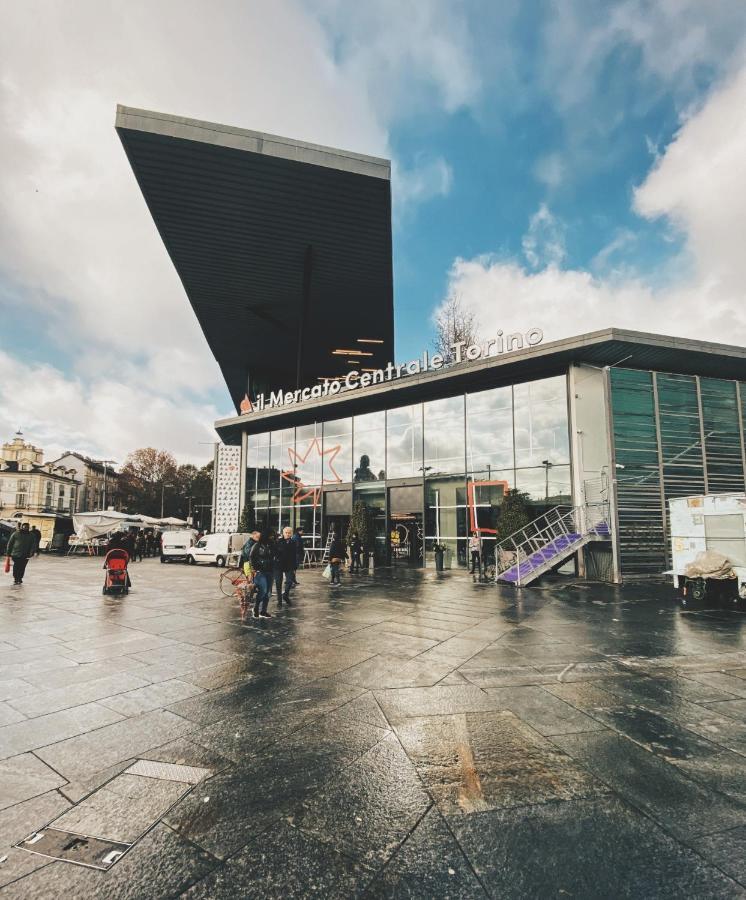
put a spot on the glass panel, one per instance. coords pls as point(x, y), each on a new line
point(639, 507)
point(444, 436)
point(373, 494)
point(489, 429)
point(446, 516)
point(337, 458)
point(308, 455)
point(546, 486)
point(262, 471)
point(722, 435)
point(541, 428)
point(370, 447)
point(485, 493)
point(404, 441)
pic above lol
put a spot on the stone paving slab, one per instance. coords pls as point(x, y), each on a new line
point(406, 735)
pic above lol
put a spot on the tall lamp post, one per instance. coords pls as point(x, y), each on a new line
point(106, 463)
point(163, 490)
point(547, 466)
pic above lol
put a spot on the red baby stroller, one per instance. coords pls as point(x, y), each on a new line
point(117, 579)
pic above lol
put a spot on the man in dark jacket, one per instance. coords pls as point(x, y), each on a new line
point(356, 553)
point(36, 534)
point(261, 560)
point(20, 549)
point(337, 557)
point(285, 556)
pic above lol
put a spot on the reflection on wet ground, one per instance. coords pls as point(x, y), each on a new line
point(407, 735)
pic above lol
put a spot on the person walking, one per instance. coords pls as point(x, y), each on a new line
point(19, 550)
point(36, 534)
point(475, 549)
point(261, 560)
point(140, 546)
point(356, 553)
point(300, 551)
point(284, 565)
point(337, 556)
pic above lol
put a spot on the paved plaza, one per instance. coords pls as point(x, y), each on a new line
point(405, 735)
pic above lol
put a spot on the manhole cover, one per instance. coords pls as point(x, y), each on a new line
point(75, 848)
point(148, 768)
point(99, 829)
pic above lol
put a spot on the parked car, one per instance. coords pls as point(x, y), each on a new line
point(176, 544)
point(212, 548)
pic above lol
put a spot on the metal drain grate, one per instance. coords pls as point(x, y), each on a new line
point(149, 768)
point(99, 829)
point(75, 848)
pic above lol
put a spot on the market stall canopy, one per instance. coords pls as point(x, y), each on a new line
point(283, 247)
point(98, 524)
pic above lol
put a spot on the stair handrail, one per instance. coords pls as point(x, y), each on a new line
point(541, 531)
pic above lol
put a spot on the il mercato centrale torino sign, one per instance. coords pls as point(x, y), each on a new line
point(428, 362)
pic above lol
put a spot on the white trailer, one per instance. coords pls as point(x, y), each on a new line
point(708, 522)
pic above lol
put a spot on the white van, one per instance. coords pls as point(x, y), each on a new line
point(175, 544)
point(211, 548)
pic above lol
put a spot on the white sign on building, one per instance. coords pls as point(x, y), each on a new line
point(227, 489)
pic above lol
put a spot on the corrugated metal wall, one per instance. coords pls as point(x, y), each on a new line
point(674, 436)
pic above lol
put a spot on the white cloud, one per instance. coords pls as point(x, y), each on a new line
point(428, 178)
point(550, 170)
point(75, 234)
point(698, 185)
point(101, 416)
point(544, 242)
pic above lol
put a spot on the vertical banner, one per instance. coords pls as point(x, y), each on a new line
point(227, 489)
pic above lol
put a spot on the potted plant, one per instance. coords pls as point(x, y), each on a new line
point(439, 550)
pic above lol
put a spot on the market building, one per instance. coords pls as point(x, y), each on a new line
point(599, 430)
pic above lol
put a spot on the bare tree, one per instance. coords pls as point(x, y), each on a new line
point(454, 323)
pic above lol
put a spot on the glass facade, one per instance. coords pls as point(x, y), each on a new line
point(674, 436)
point(464, 452)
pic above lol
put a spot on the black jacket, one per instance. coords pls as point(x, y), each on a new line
point(338, 549)
point(285, 558)
point(261, 557)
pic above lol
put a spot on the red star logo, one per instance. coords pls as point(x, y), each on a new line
point(302, 491)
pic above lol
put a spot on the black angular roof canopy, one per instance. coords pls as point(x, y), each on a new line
point(283, 247)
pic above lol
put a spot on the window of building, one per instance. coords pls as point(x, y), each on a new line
point(404, 441)
point(337, 454)
point(22, 494)
point(444, 436)
point(540, 416)
point(489, 429)
point(446, 516)
point(369, 447)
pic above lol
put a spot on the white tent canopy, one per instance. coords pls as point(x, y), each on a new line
point(91, 525)
point(97, 524)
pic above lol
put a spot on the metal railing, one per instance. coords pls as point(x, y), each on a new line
point(558, 532)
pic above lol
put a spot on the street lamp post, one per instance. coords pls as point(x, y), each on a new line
point(547, 466)
point(106, 463)
point(163, 490)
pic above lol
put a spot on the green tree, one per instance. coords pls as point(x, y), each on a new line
point(360, 522)
point(145, 473)
point(515, 513)
point(246, 522)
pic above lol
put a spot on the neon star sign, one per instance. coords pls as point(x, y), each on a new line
point(302, 491)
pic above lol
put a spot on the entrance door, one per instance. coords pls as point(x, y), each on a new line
point(405, 525)
point(337, 511)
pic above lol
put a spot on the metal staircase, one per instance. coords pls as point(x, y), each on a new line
point(548, 541)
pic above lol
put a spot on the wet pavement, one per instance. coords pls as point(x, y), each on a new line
point(406, 735)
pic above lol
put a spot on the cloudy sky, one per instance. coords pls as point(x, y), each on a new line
point(568, 164)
